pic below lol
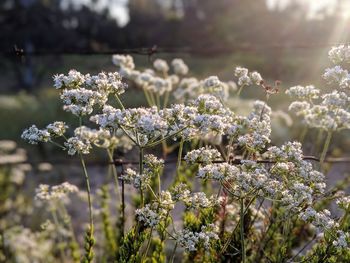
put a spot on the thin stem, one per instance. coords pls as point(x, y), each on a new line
point(153, 193)
point(239, 91)
point(119, 102)
point(123, 209)
point(147, 97)
point(115, 175)
point(242, 231)
point(164, 138)
point(127, 134)
point(173, 254)
point(148, 245)
point(159, 183)
point(57, 144)
point(88, 191)
point(303, 134)
point(179, 156)
point(318, 140)
point(141, 173)
point(152, 98)
point(325, 147)
point(158, 101)
point(166, 99)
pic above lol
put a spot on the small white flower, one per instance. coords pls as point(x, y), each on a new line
point(33, 135)
point(203, 155)
point(125, 61)
point(179, 66)
point(256, 78)
point(147, 216)
point(161, 65)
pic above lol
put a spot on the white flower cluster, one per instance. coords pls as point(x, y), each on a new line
point(80, 93)
point(340, 54)
point(325, 224)
point(158, 81)
point(148, 216)
point(191, 88)
point(80, 101)
point(343, 202)
point(74, 79)
point(146, 121)
point(161, 65)
point(153, 213)
point(322, 220)
point(34, 135)
point(333, 113)
point(302, 183)
point(179, 66)
point(195, 200)
point(246, 78)
point(125, 61)
point(198, 200)
point(307, 93)
point(139, 181)
point(191, 241)
point(153, 165)
point(57, 192)
point(254, 177)
point(27, 246)
point(337, 75)
point(211, 116)
point(56, 129)
point(205, 115)
point(330, 111)
point(84, 137)
point(103, 82)
point(204, 155)
point(219, 171)
point(256, 127)
point(343, 240)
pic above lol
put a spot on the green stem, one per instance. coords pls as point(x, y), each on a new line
point(158, 101)
point(325, 147)
point(166, 99)
point(127, 134)
point(57, 144)
point(164, 138)
point(303, 134)
point(159, 184)
point(179, 156)
point(115, 175)
point(242, 231)
point(239, 91)
point(88, 191)
point(173, 254)
point(152, 98)
point(141, 173)
point(119, 102)
point(318, 140)
point(148, 245)
point(147, 97)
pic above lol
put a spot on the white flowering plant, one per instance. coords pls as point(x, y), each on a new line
point(233, 196)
